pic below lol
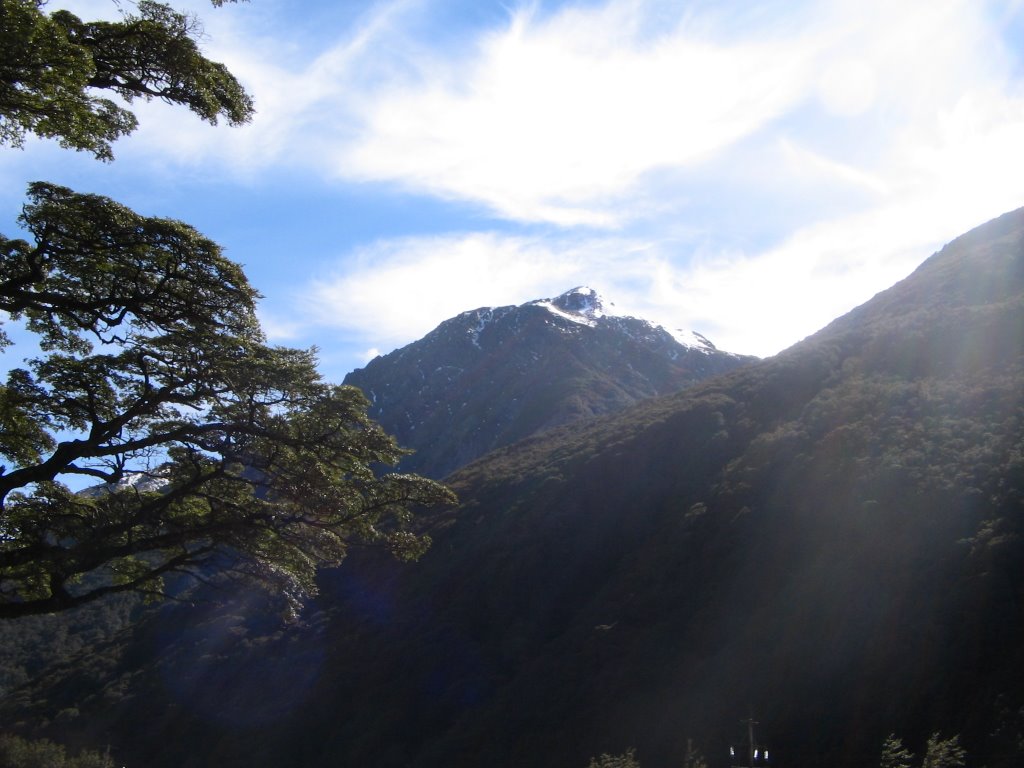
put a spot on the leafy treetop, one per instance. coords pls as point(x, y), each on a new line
point(220, 454)
point(626, 760)
point(16, 752)
point(153, 367)
point(939, 753)
point(54, 65)
point(894, 754)
point(944, 753)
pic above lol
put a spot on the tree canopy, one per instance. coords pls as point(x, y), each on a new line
point(218, 453)
point(626, 760)
point(57, 70)
point(16, 752)
point(894, 754)
point(155, 368)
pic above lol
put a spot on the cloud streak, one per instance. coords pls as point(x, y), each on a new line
point(394, 291)
point(747, 173)
point(886, 131)
point(571, 117)
point(750, 303)
point(557, 119)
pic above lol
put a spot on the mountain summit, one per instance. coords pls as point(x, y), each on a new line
point(587, 306)
point(494, 375)
point(582, 301)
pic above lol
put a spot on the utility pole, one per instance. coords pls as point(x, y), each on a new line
point(751, 722)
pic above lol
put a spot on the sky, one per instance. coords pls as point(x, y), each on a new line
point(747, 170)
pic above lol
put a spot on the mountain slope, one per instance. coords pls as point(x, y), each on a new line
point(830, 541)
point(491, 376)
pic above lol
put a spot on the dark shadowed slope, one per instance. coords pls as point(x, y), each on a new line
point(829, 540)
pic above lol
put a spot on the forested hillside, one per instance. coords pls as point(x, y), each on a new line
point(829, 540)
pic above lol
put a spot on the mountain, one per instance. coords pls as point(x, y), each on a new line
point(829, 541)
point(491, 376)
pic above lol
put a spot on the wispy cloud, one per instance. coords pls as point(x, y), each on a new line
point(304, 100)
point(562, 118)
point(752, 303)
point(558, 118)
point(755, 302)
point(886, 130)
point(748, 173)
point(570, 116)
point(394, 291)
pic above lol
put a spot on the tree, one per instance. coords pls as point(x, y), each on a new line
point(626, 760)
point(944, 753)
point(54, 65)
point(156, 368)
point(16, 752)
point(221, 454)
point(894, 754)
point(939, 753)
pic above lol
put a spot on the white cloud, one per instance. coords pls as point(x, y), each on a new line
point(747, 303)
point(847, 87)
point(879, 129)
point(754, 302)
point(278, 329)
point(549, 118)
point(303, 100)
point(566, 117)
point(557, 119)
point(396, 291)
point(562, 118)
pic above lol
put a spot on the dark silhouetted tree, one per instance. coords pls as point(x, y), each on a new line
point(16, 752)
point(944, 753)
point(626, 760)
point(894, 754)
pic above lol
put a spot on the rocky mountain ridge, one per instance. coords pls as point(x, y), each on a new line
point(494, 375)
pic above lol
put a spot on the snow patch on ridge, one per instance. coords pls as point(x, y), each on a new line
point(483, 318)
point(585, 306)
point(572, 317)
point(692, 340)
point(581, 305)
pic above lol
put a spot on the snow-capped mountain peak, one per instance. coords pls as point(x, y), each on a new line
point(579, 305)
point(493, 375)
point(585, 302)
point(585, 306)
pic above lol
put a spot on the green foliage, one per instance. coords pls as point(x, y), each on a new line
point(16, 752)
point(220, 453)
point(626, 760)
point(54, 65)
point(944, 753)
point(31, 644)
point(939, 753)
point(894, 754)
point(154, 368)
point(100, 273)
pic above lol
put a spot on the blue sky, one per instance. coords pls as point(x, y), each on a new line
point(747, 170)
